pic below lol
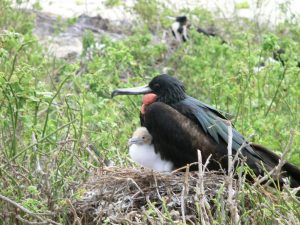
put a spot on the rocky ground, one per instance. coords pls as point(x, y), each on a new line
point(64, 39)
point(60, 25)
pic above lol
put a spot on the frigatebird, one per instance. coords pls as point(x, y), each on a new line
point(141, 150)
point(277, 55)
point(276, 58)
point(180, 30)
point(180, 125)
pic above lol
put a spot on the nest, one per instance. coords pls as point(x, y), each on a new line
point(137, 196)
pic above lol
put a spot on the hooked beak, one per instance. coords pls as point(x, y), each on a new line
point(131, 91)
point(134, 140)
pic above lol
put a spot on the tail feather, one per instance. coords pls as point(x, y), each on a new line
point(288, 170)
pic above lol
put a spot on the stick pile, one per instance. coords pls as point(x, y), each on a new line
point(128, 195)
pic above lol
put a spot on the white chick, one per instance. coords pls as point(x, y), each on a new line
point(141, 150)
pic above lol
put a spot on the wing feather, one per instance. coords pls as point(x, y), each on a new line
point(213, 122)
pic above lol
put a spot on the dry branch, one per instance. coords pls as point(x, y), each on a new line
point(231, 192)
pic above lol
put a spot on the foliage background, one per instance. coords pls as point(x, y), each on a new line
point(53, 121)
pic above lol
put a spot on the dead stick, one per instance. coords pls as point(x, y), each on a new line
point(231, 202)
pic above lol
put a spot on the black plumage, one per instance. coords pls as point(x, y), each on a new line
point(180, 124)
point(277, 56)
point(180, 29)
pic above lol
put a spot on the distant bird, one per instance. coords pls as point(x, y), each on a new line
point(141, 150)
point(180, 30)
point(180, 125)
point(208, 32)
point(277, 55)
point(276, 58)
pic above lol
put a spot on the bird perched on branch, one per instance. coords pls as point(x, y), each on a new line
point(141, 150)
point(180, 125)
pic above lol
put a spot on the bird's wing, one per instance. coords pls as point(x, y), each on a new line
point(177, 138)
point(213, 122)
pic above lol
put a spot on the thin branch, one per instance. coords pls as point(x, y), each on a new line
point(156, 187)
point(15, 58)
point(276, 92)
point(17, 205)
point(76, 217)
point(92, 154)
point(42, 139)
point(200, 190)
point(231, 193)
point(276, 170)
point(292, 193)
point(135, 184)
point(184, 192)
point(27, 211)
point(30, 222)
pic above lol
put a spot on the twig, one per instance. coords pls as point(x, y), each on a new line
point(149, 220)
point(237, 154)
point(231, 201)
point(42, 139)
point(15, 204)
point(184, 192)
point(15, 57)
point(277, 91)
point(159, 214)
point(201, 193)
point(35, 150)
point(184, 167)
point(156, 185)
point(135, 184)
point(292, 193)
point(30, 222)
point(76, 217)
point(50, 104)
point(190, 221)
point(35, 215)
point(276, 170)
point(92, 154)
point(77, 160)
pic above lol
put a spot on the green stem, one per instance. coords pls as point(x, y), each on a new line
point(276, 92)
point(16, 56)
point(50, 104)
point(42, 139)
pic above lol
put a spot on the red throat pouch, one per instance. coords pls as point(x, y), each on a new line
point(147, 100)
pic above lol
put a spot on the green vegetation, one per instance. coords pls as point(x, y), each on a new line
point(49, 116)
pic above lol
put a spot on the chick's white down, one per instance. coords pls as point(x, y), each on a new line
point(141, 150)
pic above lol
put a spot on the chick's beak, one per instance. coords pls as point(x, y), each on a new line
point(134, 140)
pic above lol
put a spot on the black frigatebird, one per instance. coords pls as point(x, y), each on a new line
point(180, 30)
point(180, 124)
point(276, 58)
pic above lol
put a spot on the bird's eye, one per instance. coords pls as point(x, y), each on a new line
point(143, 137)
point(156, 85)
